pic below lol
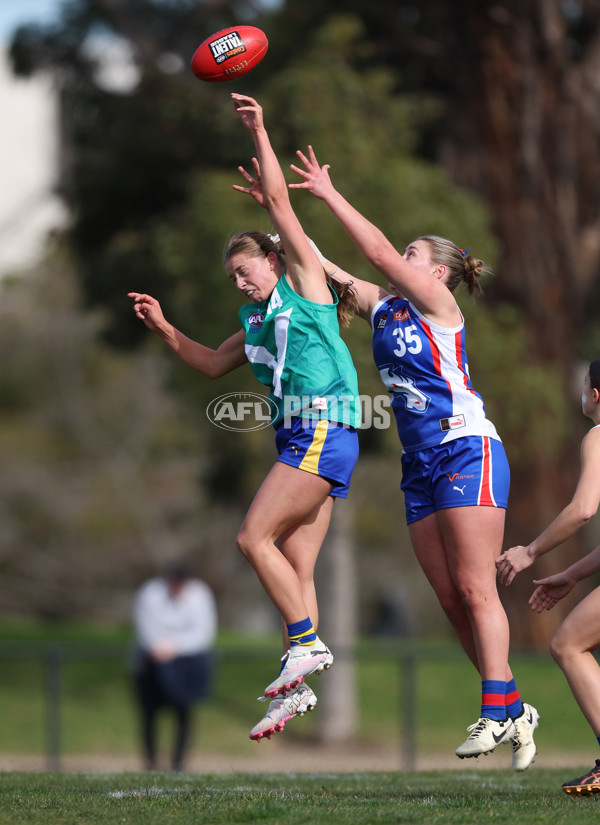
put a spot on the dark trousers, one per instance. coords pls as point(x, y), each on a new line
point(151, 701)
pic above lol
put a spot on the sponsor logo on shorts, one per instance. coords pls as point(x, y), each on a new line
point(230, 45)
point(458, 477)
point(241, 411)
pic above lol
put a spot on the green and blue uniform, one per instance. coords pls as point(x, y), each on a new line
point(294, 348)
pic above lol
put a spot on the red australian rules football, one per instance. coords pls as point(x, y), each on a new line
point(229, 53)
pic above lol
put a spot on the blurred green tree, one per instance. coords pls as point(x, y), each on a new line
point(148, 173)
point(88, 436)
point(391, 95)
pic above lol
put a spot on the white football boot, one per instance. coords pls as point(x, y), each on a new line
point(523, 746)
point(300, 661)
point(296, 702)
point(485, 734)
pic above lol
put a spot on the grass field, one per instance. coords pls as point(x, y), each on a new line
point(97, 715)
point(326, 799)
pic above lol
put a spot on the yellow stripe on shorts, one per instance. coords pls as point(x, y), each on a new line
point(310, 462)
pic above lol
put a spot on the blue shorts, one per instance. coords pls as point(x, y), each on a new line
point(324, 448)
point(465, 472)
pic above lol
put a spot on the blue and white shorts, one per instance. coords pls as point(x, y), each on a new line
point(324, 448)
point(465, 472)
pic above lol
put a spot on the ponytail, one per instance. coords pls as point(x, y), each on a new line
point(347, 305)
point(461, 267)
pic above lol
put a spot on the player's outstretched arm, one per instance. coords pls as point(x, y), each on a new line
point(369, 239)
point(428, 294)
point(304, 269)
point(209, 362)
point(572, 518)
point(367, 294)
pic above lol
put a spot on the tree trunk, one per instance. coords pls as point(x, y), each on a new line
point(337, 688)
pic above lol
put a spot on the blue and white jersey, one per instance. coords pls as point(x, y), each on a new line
point(424, 368)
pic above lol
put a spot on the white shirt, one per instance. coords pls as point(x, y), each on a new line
point(187, 621)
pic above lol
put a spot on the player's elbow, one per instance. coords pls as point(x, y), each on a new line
point(215, 369)
point(277, 200)
point(586, 515)
point(209, 367)
point(584, 511)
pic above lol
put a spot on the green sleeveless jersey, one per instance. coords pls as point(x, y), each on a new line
point(294, 347)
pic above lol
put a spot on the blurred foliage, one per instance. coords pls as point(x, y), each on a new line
point(153, 204)
point(147, 170)
point(498, 346)
point(100, 466)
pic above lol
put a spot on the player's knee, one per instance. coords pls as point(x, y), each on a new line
point(558, 649)
point(475, 600)
point(245, 543)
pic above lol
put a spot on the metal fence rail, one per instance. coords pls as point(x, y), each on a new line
point(54, 656)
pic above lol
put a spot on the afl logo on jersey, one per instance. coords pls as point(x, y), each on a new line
point(256, 319)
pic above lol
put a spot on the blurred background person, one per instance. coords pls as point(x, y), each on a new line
point(175, 621)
